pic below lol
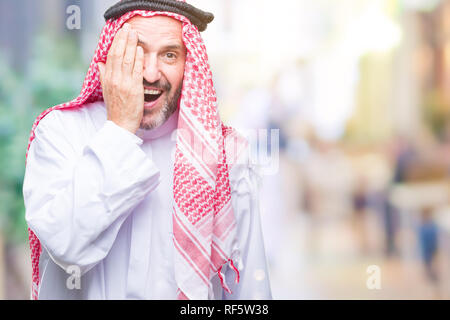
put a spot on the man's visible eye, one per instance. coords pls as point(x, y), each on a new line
point(171, 55)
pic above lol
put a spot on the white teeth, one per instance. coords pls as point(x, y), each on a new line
point(152, 92)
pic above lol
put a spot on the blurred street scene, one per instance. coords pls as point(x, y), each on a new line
point(358, 92)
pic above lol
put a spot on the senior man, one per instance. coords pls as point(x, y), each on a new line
point(136, 189)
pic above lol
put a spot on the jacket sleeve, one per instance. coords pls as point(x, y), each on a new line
point(75, 201)
point(254, 274)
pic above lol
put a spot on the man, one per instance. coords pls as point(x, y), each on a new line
point(135, 189)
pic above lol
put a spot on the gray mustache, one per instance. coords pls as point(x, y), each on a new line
point(158, 85)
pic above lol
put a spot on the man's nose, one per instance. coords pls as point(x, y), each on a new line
point(151, 69)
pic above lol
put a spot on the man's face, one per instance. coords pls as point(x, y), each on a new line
point(164, 60)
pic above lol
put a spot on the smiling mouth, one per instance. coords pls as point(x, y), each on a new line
point(151, 95)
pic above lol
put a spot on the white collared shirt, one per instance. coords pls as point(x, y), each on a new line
point(99, 199)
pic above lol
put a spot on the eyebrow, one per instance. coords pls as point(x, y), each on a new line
point(167, 47)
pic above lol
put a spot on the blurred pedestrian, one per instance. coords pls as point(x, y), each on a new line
point(428, 240)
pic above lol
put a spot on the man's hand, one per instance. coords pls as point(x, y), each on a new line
point(122, 80)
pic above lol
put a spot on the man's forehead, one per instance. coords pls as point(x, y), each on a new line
point(158, 23)
point(158, 31)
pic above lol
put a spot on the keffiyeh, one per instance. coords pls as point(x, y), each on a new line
point(204, 225)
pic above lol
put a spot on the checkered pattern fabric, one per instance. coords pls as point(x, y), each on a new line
point(204, 226)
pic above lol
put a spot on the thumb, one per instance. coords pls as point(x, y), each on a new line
point(101, 69)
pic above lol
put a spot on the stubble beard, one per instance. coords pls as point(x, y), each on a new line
point(169, 107)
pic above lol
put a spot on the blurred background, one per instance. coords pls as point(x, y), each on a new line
point(359, 206)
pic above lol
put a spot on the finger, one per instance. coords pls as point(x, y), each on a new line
point(130, 53)
point(118, 49)
point(138, 70)
point(110, 58)
point(101, 71)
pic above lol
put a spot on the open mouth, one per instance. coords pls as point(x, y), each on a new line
point(151, 95)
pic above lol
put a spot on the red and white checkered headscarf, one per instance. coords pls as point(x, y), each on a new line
point(204, 225)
